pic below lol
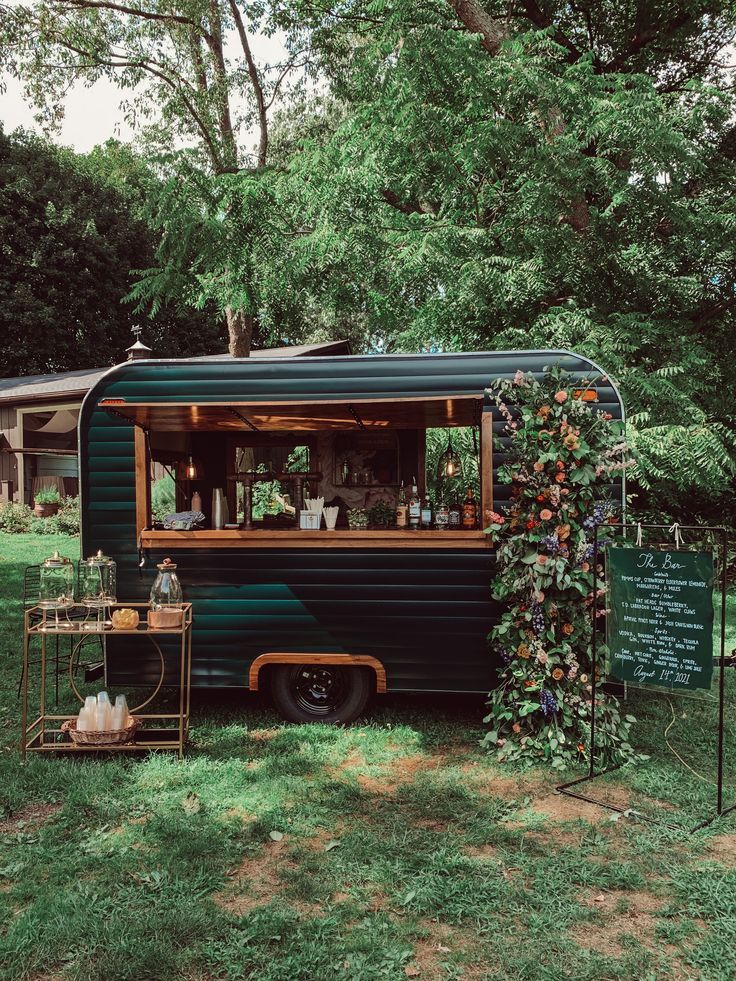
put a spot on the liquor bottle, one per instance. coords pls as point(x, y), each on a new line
point(470, 511)
point(402, 509)
point(455, 516)
point(415, 506)
point(442, 515)
point(426, 514)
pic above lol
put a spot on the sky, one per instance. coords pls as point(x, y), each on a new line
point(92, 114)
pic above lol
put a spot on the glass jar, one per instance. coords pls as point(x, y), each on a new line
point(56, 590)
point(97, 581)
point(166, 591)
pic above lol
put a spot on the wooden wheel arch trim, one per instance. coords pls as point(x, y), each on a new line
point(353, 660)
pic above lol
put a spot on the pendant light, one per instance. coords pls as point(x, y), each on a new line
point(449, 464)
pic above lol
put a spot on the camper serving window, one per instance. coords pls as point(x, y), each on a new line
point(383, 471)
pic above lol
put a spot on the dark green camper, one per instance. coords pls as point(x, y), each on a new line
point(322, 617)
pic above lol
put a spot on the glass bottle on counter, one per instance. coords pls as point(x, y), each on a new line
point(470, 511)
point(455, 519)
point(426, 514)
point(442, 515)
point(402, 509)
point(415, 506)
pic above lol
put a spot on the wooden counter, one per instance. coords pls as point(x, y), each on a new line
point(296, 538)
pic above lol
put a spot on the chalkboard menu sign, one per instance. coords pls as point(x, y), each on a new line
point(660, 620)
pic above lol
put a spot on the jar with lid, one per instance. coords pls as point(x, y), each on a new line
point(98, 581)
point(166, 591)
point(56, 589)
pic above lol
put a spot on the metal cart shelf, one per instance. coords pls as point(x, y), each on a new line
point(44, 734)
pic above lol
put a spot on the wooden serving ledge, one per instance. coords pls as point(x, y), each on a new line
point(301, 538)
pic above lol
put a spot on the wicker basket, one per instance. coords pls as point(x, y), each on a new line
point(115, 737)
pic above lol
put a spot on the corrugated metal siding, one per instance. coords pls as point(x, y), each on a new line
point(424, 614)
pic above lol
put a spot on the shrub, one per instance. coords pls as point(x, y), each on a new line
point(15, 518)
point(67, 517)
point(44, 526)
point(47, 495)
point(163, 497)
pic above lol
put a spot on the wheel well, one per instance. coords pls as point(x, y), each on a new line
point(263, 665)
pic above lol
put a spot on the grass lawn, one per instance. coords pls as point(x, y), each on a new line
point(389, 850)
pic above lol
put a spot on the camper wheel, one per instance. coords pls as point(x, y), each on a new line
point(320, 692)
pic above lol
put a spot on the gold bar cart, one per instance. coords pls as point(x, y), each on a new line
point(44, 734)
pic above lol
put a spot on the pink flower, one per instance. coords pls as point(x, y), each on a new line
point(545, 514)
point(519, 378)
point(538, 467)
point(561, 396)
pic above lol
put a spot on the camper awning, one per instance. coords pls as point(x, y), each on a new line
point(404, 413)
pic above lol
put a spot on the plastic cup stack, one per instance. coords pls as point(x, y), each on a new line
point(98, 715)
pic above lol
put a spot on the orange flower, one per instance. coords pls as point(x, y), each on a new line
point(581, 748)
point(516, 727)
point(545, 514)
point(543, 411)
point(558, 674)
point(541, 559)
point(561, 396)
point(567, 629)
point(523, 651)
point(560, 477)
point(563, 532)
point(559, 465)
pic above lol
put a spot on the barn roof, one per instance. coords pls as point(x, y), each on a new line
point(71, 384)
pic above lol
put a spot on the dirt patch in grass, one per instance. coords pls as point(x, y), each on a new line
point(263, 735)
point(443, 944)
point(398, 772)
point(618, 914)
point(29, 816)
point(723, 849)
point(258, 880)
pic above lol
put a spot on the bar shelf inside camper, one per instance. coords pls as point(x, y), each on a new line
point(355, 454)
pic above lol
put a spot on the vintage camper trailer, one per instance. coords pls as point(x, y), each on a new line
point(323, 618)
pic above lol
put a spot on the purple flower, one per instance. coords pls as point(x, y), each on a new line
point(548, 703)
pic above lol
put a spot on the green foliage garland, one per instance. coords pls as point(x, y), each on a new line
point(564, 452)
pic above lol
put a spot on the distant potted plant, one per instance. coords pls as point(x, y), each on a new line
point(357, 519)
point(382, 515)
point(46, 502)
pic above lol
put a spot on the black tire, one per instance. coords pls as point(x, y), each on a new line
point(320, 692)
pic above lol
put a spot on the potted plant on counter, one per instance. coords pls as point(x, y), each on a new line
point(382, 515)
point(46, 502)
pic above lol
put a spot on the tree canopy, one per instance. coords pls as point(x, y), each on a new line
point(70, 238)
point(455, 173)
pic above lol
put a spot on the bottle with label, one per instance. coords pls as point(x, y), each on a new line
point(402, 509)
point(455, 518)
point(470, 511)
point(442, 516)
point(426, 514)
point(415, 506)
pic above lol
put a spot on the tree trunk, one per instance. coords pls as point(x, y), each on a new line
point(240, 330)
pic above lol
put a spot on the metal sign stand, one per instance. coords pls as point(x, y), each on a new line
point(567, 788)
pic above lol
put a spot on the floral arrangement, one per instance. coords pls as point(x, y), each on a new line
point(357, 519)
point(563, 452)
